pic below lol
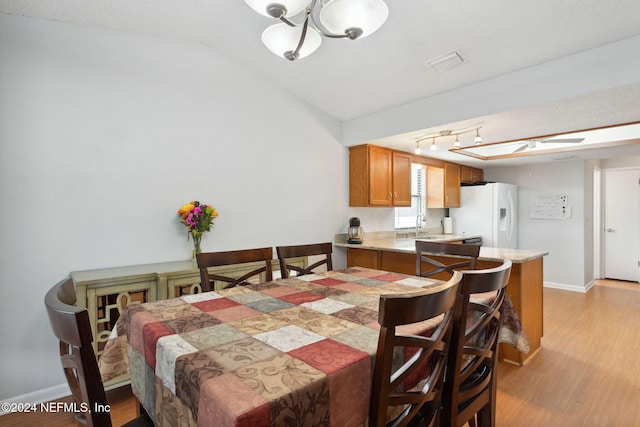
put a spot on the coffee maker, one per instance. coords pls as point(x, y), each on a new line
point(355, 232)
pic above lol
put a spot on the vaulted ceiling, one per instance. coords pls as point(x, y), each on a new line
point(352, 79)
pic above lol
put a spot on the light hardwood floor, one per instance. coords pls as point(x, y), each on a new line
point(588, 370)
point(587, 373)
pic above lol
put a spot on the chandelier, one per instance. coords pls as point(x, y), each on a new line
point(303, 22)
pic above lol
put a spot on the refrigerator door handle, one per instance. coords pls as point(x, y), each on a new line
point(511, 219)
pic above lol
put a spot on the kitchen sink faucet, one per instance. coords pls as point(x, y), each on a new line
point(419, 220)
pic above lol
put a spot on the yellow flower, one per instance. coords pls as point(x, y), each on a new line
point(185, 209)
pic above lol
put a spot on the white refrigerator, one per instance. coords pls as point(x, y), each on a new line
point(489, 210)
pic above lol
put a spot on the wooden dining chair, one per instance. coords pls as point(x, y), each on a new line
point(216, 259)
point(412, 392)
point(425, 252)
point(472, 368)
point(288, 252)
point(71, 326)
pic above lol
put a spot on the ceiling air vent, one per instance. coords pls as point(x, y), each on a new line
point(446, 62)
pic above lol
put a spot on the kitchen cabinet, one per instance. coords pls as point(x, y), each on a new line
point(401, 166)
point(451, 185)
point(524, 287)
point(379, 177)
point(443, 186)
point(469, 175)
point(364, 258)
point(435, 187)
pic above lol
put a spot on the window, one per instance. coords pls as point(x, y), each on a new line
point(407, 217)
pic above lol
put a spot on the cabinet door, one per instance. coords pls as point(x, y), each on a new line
point(401, 179)
point(469, 175)
point(478, 175)
point(367, 258)
point(380, 176)
point(451, 185)
point(466, 175)
point(107, 299)
point(435, 187)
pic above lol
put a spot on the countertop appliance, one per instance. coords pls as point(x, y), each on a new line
point(355, 232)
point(490, 210)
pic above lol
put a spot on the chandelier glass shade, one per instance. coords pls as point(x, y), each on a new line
point(355, 18)
point(266, 7)
point(303, 22)
point(282, 40)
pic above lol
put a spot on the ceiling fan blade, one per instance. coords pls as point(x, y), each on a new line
point(563, 140)
point(521, 148)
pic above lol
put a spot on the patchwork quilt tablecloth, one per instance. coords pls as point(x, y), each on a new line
point(297, 351)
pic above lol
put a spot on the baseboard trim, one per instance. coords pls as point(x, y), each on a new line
point(566, 287)
point(39, 396)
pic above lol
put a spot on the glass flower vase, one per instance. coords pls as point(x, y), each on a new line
point(197, 240)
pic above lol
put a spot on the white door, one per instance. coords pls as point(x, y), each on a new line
point(622, 224)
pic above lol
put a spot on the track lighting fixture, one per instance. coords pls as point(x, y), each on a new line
point(446, 133)
point(418, 150)
point(478, 138)
point(456, 143)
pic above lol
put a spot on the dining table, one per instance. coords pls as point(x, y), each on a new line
point(289, 352)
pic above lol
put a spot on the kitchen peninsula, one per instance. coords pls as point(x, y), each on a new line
point(385, 251)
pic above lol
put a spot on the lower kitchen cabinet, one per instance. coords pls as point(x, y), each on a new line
point(363, 258)
point(524, 289)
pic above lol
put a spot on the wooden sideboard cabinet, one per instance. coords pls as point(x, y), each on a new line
point(107, 292)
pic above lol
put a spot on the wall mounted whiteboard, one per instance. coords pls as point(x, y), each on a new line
point(549, 206)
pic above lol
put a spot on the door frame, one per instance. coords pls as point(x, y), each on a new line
point(601, 232)
point(598, 229)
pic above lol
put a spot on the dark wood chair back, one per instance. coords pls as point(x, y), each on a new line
point(71, 326)
point(467, 254)
point(470, 383)
point(412, 391)
point(216, 259)
point(288, 252)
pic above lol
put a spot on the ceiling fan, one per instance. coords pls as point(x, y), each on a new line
point(531, 143)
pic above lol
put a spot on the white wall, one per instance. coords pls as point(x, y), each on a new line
point(564, 267)
point(570, 263)
point(104, 135)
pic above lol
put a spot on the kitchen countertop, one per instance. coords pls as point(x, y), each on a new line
point(407, 245)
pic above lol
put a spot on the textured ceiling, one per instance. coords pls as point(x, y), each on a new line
point(350, 79)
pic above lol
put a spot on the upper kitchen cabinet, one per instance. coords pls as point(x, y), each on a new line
point(443, 186)
point(469, 175)
point(451, 185)
point(379, 177)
